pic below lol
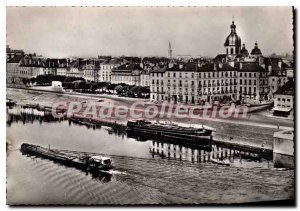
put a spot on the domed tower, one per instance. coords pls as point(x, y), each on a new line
point(244, 51)
point(256, 51)
point(233, 42)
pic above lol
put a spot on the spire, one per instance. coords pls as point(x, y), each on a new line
point(233, 27)
point(170, 51)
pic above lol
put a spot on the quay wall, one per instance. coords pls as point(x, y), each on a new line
point(283, 149)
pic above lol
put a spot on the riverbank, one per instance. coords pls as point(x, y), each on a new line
point(238, 132)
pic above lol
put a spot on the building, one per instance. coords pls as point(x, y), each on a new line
point(277, 73)
point(106, 68)
point(127, 73)
point(31, 67)
point(236, 75)
point(62, 66)
point(157, 84)
point(75, 68)
point(145, 78)
point(12, 68)
point(91, 70)
point(11, 53)
point(284, 100)
point(252, 82)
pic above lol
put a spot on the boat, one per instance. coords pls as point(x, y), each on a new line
point(220, 162)
point(87, 122)
point(171, 132)
point(10, 102)
point(82, 161)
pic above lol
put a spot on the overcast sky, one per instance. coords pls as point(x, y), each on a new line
point(140, 31)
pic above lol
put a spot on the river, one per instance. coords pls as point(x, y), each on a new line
point(37, 181)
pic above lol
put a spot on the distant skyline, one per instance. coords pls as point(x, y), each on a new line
point(140, 31)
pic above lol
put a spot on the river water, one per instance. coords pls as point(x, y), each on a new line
point(37, 181)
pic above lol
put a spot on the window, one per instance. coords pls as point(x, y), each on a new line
point(231, 50)
point(192, 75)
point(174, 75)
point(241, 75)
point(249, 82)
point(279, 99)
point(241, 81)
point(254, 82)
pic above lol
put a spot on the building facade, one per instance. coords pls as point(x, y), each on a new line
point(284, 100)
point(106, 68)
point(127, 73)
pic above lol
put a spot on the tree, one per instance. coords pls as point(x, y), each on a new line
point(111, 87)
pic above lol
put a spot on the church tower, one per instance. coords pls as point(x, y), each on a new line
point(232, 43)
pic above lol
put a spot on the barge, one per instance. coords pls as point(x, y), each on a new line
point(81, 161)
point(171, 132)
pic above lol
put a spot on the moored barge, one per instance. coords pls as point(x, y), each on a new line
point(171, 132)
point(81, 161)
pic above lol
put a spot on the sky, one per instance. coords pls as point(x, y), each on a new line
point(145, 31)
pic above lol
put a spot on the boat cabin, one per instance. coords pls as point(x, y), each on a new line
point(97, 161)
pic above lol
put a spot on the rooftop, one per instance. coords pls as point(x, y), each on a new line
point(287, 89)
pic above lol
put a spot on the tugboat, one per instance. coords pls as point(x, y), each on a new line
point(171, 132)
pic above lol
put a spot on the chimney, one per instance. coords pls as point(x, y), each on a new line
point(220, 65)
point(280, 63)
point(199, 64)
point(170, 65)
point(231, 63)
point(180, 66)
point(215, 66)
point(270, 68)
point(241, 65)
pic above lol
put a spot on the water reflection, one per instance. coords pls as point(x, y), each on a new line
point(28, 115)
point(194, 154)
point(159, 148)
